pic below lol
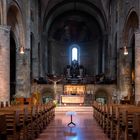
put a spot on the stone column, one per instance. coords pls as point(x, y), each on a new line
point(23, 81)
point(27, 50)
point(113, 63)
point(125, 76)
point(43, 58)
point(3, 12)
point(23, 74)
point(4, 63)
point(106, 57)
point(103, 52)
point(137, 66)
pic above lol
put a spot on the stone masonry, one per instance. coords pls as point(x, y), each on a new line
point(4, 63)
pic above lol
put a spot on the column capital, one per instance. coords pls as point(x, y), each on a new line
point(5, 28)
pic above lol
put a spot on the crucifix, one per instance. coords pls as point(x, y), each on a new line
point(54, 81)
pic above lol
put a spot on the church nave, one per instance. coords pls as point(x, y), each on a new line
point(86, 128)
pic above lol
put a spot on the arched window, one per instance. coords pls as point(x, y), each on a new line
point(74, 53)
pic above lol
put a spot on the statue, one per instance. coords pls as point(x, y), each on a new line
point(74, 68)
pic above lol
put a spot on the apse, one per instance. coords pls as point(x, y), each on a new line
point(72, 28)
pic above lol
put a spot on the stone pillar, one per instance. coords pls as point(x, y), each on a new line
point(103, 52)
point(23, 74)
point(106, 57)
point(4, 63)
point(137, 66)
point(3, 12)
point(43, 57)
point(125, 76)
point(27, 50)
point(113, 63)
point(23, 81)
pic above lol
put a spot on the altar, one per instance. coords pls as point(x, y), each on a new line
point(72, 99)
point(74, 89)
point(73, 94)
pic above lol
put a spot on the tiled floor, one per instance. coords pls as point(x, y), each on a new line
point(86, 128)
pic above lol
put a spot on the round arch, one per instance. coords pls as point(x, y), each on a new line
point(15, 20)
point(71, 47)
point(130, 26)
point(101, 95)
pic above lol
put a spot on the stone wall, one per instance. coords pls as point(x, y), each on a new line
point(59, 55)
point(4, 64)
point(55, 92)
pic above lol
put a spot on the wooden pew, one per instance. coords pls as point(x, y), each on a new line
point(136, 126)
point(119, 119)
point(130, 122)
point(111, 118)
point(2, 127)
point(25, 122)
point(105, 116)
point(12, 123)
point(21, 129)
point(40, 117)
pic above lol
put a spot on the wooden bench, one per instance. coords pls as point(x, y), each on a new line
point(118, 121)
point(2, 127)
point(129, 122)
point(12, 123)
point(136, 126)
point(25, 122)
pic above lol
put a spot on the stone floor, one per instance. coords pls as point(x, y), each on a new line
point(86, 128)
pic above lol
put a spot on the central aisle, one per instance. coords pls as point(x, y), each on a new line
point(86, 128)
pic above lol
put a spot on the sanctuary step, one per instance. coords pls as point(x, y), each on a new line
point(74, 108)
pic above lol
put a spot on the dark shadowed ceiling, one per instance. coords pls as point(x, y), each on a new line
point(74, 27)
point(51, 10)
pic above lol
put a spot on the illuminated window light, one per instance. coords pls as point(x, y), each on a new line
point(74, 54)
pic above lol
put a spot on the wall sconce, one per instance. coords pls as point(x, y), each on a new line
point(125, 51)
point(21, 50)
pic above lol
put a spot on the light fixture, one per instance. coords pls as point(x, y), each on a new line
point(21, 50)
point(125, 51)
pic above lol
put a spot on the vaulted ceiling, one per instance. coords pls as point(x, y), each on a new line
point(79, 16)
